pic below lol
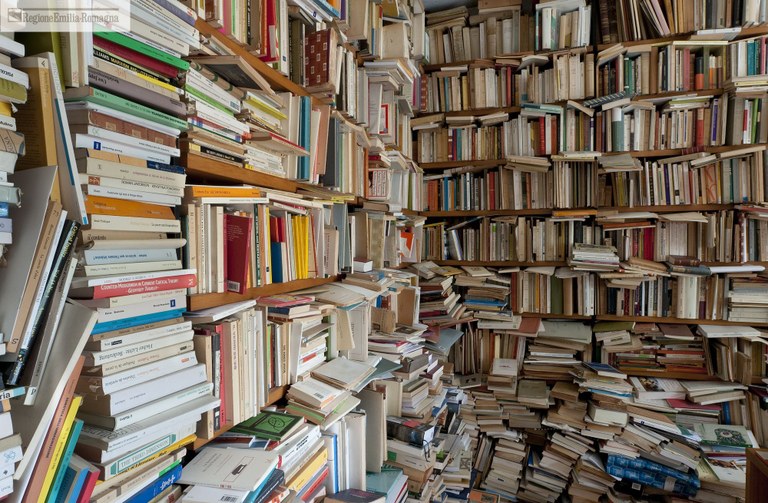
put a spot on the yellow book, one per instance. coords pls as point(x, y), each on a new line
point(61, 443)
point(310, 469)
point(274, 112)
point(5, 109)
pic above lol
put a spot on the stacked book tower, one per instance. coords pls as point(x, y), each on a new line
point(143, 389)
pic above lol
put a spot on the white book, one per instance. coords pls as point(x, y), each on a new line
point(10, 46)
point(141, 432)
point(125, 461)
point(132, 195)
point(143, 412)
point(119, 183)
point(134, 224)
point(128, 268)
point(127, 300)
point(135, 335)
point(135, 376)
point(119, 255)
point(177, 301)
point(241, 469)
point(203, 494)
point(93, 358)
point(94, 142)
point(141, 394)
point(113, 245)
point(99, 167)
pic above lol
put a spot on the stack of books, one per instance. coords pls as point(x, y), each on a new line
point(15, 82)
point(588, 257)
point(214, 132)
point(556, 349)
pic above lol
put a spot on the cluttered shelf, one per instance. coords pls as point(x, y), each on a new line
point(208, 300)
point(664, 319)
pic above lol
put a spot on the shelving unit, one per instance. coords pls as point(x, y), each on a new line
point(208, 300)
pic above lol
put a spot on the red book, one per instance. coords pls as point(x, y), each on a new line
point(160, 284)
point(237, 250)
point(542, 137)
point(699, 127)
point(88, 487)
point(147, 62)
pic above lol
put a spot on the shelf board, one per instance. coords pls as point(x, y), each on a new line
point(473, 111)
point(487, 213)
point(217, 171)
point(661, 319)
point(208, 300)
point(502, 263)
point(552, 316)
point(460, 164)
point(668, 209)
point(275, 395)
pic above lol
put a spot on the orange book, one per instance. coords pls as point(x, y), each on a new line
point(119, 207)
point(573, 213)
point(191, 191)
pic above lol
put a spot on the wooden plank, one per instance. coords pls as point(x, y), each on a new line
point(208, 300)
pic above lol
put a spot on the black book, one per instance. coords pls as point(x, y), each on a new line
point(66, 245)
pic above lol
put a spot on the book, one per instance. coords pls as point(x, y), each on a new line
point(238, 469)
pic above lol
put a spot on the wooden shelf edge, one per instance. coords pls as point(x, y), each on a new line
point(678, 321)
point(501, 263)
point(208, 300)
point(275, 78)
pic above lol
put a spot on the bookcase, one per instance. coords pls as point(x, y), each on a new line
point(511, 250)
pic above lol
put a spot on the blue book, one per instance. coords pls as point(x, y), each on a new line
point(4, 210)
point(73, 488)
point(162, 483)
point(69, 449)
point(170, 168)
point(265, 490)
point(137, 320)
point(277, 262)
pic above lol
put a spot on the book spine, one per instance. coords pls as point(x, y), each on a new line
point(133, 377)
point(165, 481)
point(114, 222)
point(94, 358)
point(143, 93)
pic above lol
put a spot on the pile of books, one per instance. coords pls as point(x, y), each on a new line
point(15, 82)
point(588, 257)
point(326, 396)
point(556, 349)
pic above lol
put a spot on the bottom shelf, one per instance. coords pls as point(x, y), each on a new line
point(275, 395)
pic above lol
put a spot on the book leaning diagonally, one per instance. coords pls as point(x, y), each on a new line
point(32, 421)
point(71, 192)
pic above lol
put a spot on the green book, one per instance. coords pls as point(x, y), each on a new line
point(613, 326)
point(557, 295)
point(270, 425)
point(143, 48)
point(204, 97)
point(93, 95)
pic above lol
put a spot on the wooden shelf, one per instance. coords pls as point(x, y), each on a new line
point(487, 213)
point(668, 208)
point(217, 172)
point(275, 395)
point(489, 163)
point(552, 316)
point(208, 300)
point(472, 111)
point(660, 319)
point(679, 94)
point(487, 263)
point(491, 62)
